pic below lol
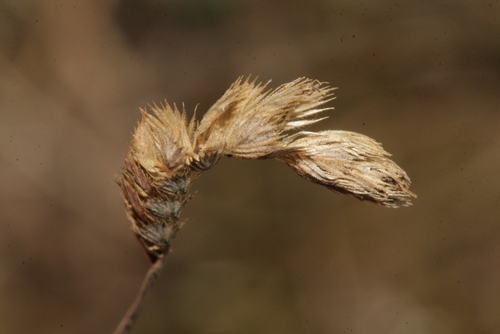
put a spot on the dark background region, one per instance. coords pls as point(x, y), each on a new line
point(263, 251)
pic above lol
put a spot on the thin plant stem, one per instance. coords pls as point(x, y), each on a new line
point(130, 318)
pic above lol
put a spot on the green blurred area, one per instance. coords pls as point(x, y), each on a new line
point(263, 251)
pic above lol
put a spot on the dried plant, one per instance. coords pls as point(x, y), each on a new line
point(168, 152)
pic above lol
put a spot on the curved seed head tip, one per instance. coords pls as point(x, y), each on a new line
point(350, 163)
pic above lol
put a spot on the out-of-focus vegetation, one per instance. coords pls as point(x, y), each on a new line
point(263, 251)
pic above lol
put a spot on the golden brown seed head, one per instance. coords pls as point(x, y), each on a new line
point(167, 153)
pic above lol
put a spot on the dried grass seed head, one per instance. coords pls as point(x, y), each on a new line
point(249, 122)
point(157, 176)
point(350, 163)
point(167, 153)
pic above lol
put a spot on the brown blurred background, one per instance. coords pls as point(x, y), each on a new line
point(263, 250)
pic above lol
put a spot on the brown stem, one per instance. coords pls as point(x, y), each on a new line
point(129, 319)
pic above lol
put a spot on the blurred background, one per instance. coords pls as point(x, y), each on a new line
point(263, 251)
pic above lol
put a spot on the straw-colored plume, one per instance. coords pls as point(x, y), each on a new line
point(350, 163)
point(248, 122)
point(167, 153)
